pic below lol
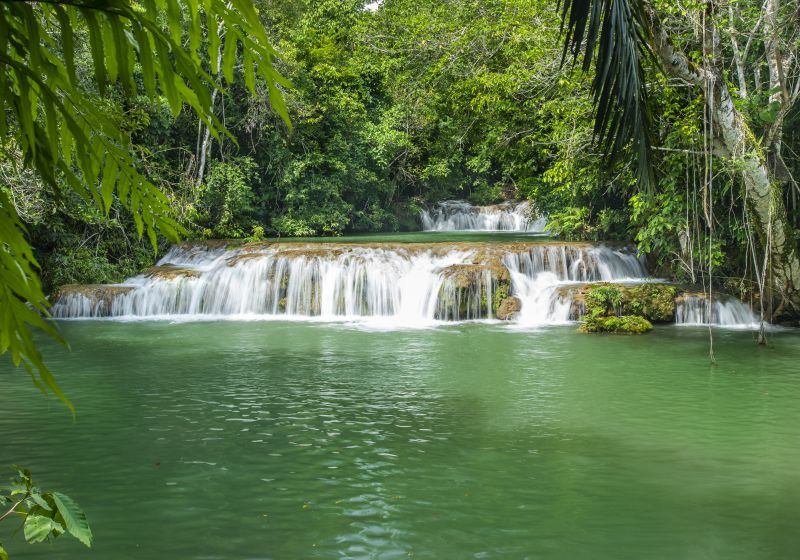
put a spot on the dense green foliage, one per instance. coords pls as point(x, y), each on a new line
point(417, 102)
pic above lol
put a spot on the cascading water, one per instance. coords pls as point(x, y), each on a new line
point(539, 273)
point(457, 215)
point(331, 283)
point(404, 284)
point(699, 309)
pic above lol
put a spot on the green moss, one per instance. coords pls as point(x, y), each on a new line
point(631, 324)
point(654, 302)
point(501, 292)
point(603, 300)
point(617, 308)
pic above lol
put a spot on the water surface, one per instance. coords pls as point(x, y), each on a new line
point(424, 237)
point(233, 440)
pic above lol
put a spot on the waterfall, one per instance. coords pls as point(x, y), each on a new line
point(538, 274)
point(401, 284)
point(457, 215)
point(410, 283)
point(699, 309)
point(326, 282)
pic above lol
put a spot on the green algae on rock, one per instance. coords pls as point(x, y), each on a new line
point(630, 324)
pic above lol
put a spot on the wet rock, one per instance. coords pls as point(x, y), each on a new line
point(170, 272)
point(508, 308)
point(96, 292)
point(463, 293)
point(463, 276)
point(92, 300)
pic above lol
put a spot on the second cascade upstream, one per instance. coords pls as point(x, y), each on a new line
point(405, 285)
point(457, 215)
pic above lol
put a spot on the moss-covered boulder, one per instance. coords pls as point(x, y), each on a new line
point(463, 276)
point(463, 292)
point(618, 308)
point(652, 301)
point(626, 324)
point(501, 293)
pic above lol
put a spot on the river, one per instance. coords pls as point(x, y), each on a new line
point(242, 431)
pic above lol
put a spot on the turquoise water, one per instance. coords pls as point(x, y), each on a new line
point(235, 440)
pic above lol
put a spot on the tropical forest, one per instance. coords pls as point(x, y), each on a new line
point(442, 279)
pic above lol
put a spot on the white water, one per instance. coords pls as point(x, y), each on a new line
point(537, 275)
point(398, 286)
point(700, 310)
point(457, 215)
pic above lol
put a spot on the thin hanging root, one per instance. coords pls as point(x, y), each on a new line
point(711, 356)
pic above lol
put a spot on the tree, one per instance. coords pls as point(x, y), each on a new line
point(55, 116)
point(622, 36)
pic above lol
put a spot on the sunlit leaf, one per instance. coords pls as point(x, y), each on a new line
point(74, 518)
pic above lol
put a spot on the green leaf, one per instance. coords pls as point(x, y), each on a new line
point(3, 553)
point(110, 173)
point(41, 501)
point(38, 528)
point(96, 44)
point(74, 518)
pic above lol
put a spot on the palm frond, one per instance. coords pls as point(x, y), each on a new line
point(63, 131)
point(615, 35)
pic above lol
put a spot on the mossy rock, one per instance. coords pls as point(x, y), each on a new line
point(626, 324)
point(500, 294)
point(464, 276)
point(653, 301)
point(508, 308)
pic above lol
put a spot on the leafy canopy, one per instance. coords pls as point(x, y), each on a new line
point(55, 116)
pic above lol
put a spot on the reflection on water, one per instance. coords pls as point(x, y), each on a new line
point(276, 440)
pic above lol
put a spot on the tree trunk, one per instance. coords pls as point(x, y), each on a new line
point(763, 197)
point(204, 146)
